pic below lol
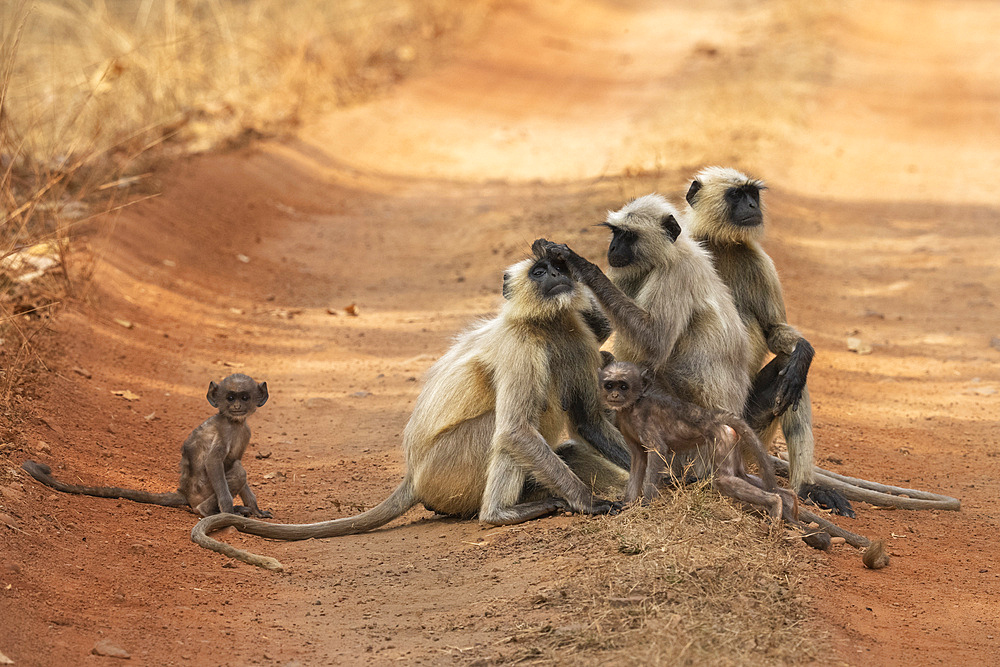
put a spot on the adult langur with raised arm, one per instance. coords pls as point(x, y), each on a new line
point(482, 434)
point(670, 311)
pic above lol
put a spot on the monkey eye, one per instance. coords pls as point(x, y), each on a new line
point(538, 271)
point(609, 386)
point(230, 397)
point(624, 386)
point(245, 396)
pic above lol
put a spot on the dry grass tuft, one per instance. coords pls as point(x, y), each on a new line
point(93, 94)
point(690, 579)
point(118, 78)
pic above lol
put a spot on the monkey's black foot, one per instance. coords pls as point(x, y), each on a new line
point(602, 506)
point(242, 510)
point(264, 514)
point(676, 483)
point(827, 498)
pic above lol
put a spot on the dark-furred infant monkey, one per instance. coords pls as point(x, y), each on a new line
point(211, 469)
point(656, 426)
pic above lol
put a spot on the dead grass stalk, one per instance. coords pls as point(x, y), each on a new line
point(689, 580)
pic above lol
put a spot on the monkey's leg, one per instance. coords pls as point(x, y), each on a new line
point(602, 476)
point(215, 472)
point(656, 463)
point(817, 539)
point(587, 422)
point(209, 506)
point(504, 483)
point(236, 482)
point(603, 437)
point(637, 473)
point(236, 478)
point(797, 428)
point(741, 489)
point(524, 446)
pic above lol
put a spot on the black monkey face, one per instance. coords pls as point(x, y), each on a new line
point(621, 250)
point(744, 205)
point(552, 277)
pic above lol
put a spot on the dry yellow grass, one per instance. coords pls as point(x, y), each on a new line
point(689, 580)
point(118, 78)
point(94, 94)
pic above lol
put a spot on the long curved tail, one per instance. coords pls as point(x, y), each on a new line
point(882, 495)
point(398, 502)
point(43, 474)
point(751, 444)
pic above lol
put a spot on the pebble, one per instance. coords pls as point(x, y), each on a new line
point(106, 648)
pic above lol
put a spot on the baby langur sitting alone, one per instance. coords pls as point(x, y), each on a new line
point(211, 471)
point(656, 426)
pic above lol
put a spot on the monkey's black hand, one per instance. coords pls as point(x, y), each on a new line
point(242, 510)
point(602, 506)
point(792, 378)
point(540, 247)
point(264, 514)
point(827, 498)
point(557, 251)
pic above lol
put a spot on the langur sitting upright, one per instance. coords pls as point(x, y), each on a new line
point(211, 471)
point(669, 309)
point(725, 213)
point(481, 439)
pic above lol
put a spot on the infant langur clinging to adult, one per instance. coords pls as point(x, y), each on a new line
point(656, 426)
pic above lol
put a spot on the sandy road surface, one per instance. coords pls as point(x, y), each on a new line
point(876, 125)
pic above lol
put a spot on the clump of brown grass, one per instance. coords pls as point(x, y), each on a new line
point(690, 579)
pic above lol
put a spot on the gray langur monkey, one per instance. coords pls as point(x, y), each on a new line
point(658, 426)
point(669, 309)
point(725, 212)
point(211, 469)
point(482, 434)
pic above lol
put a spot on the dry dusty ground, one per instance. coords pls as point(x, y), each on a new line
point(876, 125)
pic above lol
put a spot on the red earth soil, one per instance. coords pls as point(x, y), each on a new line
point(876, 127)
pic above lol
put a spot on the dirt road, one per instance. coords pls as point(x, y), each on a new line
point(876, 125)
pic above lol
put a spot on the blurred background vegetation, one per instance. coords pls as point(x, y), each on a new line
point(94, 94)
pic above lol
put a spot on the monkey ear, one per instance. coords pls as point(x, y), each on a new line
point(606, 358)
point(692, 191)
point(670, 227)
point(507, 292)
point(261, 394)
point(212, 389)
